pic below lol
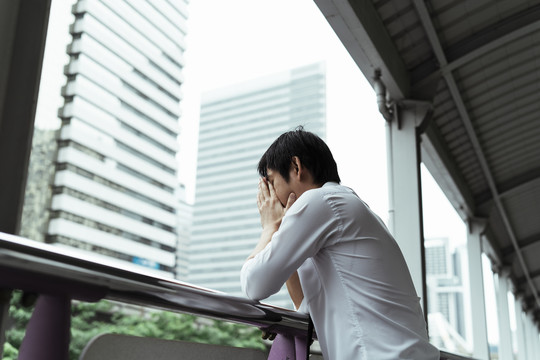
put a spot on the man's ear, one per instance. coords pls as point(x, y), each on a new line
point(296, 165)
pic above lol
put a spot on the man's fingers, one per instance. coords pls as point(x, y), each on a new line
point(271, 190)
point(290, 201)
point(263, 187)
point(260, 197)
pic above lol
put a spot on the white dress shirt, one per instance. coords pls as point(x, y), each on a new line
point(357, 287)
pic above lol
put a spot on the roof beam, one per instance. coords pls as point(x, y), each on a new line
point(516, 184)
point(425, 19)
point(482, 42)
point(494, 36)
point(359, 27)
point(524, 244)
point(522, 280)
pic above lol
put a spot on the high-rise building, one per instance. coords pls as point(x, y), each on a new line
point(183, 229)
point(237, 125)
point(115, 187)
point(445, 294)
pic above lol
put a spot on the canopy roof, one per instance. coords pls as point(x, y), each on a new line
point(478, 62)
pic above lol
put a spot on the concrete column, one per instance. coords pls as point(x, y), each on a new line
point(476, 283)
point(520, 334)
point(405, 202)
point(505, 333)
point(533, 331)
point(529, 338)
point(23, 28)
point(537, 339)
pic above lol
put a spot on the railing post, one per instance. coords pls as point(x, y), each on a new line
point(48, 332)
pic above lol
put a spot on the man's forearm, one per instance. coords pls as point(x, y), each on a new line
point(295, 289)
point(265, 238)
point(293, 283)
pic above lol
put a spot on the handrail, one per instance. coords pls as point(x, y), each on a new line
point(48, 270)
point(43, 268)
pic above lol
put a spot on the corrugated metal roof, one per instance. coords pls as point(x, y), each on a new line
point(478, 62)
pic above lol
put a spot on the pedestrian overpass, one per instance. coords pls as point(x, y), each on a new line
point(458, 85)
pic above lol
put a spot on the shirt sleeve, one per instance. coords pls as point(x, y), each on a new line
point(304, 230)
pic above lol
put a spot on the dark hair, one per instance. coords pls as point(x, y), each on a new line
point(312, 151)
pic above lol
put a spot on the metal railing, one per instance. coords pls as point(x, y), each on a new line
point(62, 275)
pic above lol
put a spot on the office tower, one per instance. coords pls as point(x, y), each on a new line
point(115, 187)
point(445, 294)
point(237, 125)
point(183, 229)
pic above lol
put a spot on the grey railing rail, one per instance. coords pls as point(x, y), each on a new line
point(60, 275)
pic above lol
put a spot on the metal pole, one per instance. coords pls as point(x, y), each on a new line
point(48, 332)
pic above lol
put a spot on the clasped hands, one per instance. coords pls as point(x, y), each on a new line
point(270, 207)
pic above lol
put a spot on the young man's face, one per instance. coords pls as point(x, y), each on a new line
point(282, 187)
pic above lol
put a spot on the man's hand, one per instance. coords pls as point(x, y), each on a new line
point(271, 211)
point(270, 208)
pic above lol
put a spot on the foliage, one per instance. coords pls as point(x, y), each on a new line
point(91, 319)
point(10, 353)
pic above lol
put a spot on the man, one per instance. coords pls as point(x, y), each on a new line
point(336, 256)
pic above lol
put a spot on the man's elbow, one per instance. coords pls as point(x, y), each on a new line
point(255, 289)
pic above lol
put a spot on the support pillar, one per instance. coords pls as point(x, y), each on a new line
point(528, 337)
point(520, 334)
point(405, 199)
point(505, 332)
point(537, 338)
point(22, 43)
point(532, 337)
point(23, 27)
point(476, 283)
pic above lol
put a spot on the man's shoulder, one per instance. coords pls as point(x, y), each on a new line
point(318, 193)
point(323, 195)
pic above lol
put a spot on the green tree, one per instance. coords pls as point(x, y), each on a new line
point(91, 319)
